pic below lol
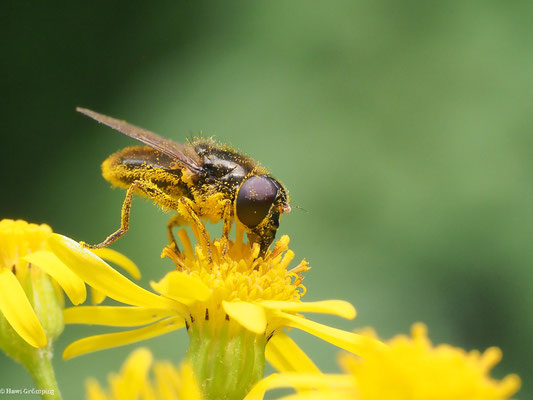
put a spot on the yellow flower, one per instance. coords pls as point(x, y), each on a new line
point(409, 368)
point(233, 288)
point(231, 302)
point(134, 381)
point(31, 276)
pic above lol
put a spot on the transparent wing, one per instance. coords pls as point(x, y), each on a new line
point(183, 154)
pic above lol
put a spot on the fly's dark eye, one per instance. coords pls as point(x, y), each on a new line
point(255, 197)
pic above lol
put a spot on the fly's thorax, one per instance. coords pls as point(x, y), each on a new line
point(222, 163)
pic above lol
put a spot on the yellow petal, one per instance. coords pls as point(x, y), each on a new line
point(73, 286)
point(120, 259)
point(97, 296)
point(101, 276)
point(18, 310)
point(167, 380)
point(320, 395)
point(135, 372)
point(189, 388)
point(93, 391)
point(59, 293)
point(249, 315)
point(336, 307)
point(345, 340)
point(182, 287)
point(286, 356)
point(300, 381)
point(108, 340)
point(113, 316)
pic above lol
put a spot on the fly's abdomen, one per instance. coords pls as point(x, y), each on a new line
point(142, 163)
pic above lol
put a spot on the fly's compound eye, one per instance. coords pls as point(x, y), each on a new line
point(256, 196)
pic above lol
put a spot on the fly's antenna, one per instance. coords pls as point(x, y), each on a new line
point(299, 208)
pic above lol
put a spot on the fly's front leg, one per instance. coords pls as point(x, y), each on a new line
point(227, 221)
point(186, 208)
point(152, 191)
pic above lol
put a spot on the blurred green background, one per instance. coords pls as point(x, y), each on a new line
point(404, 129)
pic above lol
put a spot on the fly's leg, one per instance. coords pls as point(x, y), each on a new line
point(175, 220)
point(124, 220)
point(226, 227)
point(152, 191)
point(186, 208)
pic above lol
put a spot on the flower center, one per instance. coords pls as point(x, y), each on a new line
point(236, 273)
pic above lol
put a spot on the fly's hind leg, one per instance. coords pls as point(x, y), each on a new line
point(153, 192)
point(184, 206)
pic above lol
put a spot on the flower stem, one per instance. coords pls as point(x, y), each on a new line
point(42, 372)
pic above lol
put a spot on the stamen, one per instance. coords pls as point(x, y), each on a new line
point(171, 252)
point(302, 267)
point(280, 246)
point(239, 236)
point(287, 258)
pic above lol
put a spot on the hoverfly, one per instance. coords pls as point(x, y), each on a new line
point(201, 179)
